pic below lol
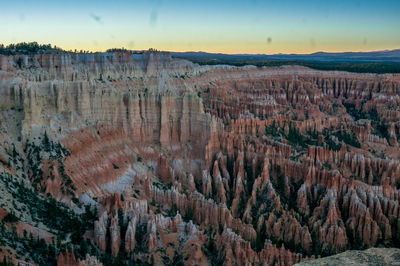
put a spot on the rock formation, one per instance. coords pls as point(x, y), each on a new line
point(165, 161)
point(372, 256)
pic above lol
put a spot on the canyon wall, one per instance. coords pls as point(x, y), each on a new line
point(205, 164)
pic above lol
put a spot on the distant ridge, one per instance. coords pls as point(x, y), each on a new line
point(374, 56)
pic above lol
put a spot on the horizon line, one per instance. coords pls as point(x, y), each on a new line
point(213, 52)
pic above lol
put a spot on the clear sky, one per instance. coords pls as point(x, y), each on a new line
point(226, 26)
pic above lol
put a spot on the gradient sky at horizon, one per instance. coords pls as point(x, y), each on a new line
point(269, 26)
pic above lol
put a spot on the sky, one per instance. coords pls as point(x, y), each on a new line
point(246, 26)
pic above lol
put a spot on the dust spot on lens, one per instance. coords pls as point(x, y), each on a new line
point(312, 42)
point(153, 18)
point(131, 45)
point(96, 18)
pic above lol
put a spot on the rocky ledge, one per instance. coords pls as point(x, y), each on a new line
point(372, 256)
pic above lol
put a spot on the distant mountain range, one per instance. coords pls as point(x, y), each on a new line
point(375, 56)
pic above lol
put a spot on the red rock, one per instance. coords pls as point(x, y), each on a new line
point(135, 124)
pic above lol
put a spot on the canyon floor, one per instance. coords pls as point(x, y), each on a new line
point(139, 158)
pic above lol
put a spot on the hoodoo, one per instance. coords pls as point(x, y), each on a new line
point(123, 158)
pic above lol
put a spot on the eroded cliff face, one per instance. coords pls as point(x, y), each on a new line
point(171, 162)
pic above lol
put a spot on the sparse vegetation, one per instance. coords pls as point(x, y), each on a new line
point(211, 251)
point(55, 153)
